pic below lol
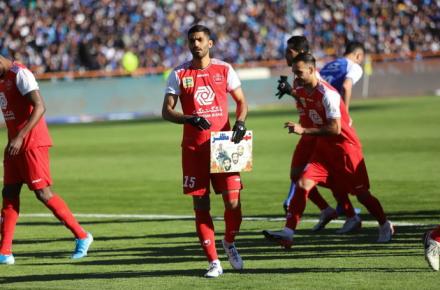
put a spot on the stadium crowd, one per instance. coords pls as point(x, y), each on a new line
point(67, 35)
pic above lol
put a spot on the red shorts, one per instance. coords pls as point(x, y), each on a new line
point(342, 166)
point(30, 167)
point(303, 151)
point(196, 176)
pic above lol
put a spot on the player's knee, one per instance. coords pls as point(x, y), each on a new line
point(305, 184)
point(363, 195)
point(43, 194)
point(11, 191)
point(201, 203)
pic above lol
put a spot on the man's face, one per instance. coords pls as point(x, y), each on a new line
point(304, 73)
point(240, 150)
point(199, 44)
point(235, 158)
point(227, 164)
point(290, 54)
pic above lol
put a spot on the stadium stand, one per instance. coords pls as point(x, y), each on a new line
point(82, 35)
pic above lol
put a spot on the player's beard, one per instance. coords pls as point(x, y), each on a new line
point(199, 53)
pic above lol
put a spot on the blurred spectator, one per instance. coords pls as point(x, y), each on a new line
point(66, 35)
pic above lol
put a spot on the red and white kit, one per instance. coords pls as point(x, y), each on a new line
point(204, 93)
point(31, 165)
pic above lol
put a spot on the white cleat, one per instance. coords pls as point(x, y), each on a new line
point(351, 224)
point(214, 270)
point(386, 232)
point(233, 256)
point(432, 251)
point(325, 217)
point(280, 237)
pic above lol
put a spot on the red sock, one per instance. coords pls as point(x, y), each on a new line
point(435, 234)
point(296, 208)
point(346, 204)
point(60, 209)
point(232, 223)
point(375, 208)
point(10, 211)
point(205, 231)
point(317, 199)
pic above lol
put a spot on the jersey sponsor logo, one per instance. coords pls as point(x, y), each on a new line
point(206, 243)
point(203, 75)
point(8, 115)
point(204, 95)
point(314, 116)
point(188, 82)
point(3, 101)
point(218, 78)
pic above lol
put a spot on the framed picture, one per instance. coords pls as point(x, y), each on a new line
point(226, 156)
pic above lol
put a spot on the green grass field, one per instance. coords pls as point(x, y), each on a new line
point(134, 168)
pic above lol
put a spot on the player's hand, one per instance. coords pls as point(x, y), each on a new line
point(198, 122)
point(294, 128)
point(239, 130)
point(283, 87)
point(15, 145)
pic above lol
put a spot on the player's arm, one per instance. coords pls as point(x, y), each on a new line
point(347, 86)
point(38, 111)
point(353, 76)
point(168, 109)
point(170, 114)
point(240, 114)
point(333, 127)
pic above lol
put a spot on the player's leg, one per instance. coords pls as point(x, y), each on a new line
point(38, 179)
point(233, 218)
point(432, 248)
point(9, 215)
point(205, 232)
point(229, 185)
point(352, 222)
point(374, 207)
point(296, 209)
point(196, 182)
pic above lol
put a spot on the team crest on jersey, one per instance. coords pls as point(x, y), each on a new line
point(3, 101)
point(204, 95)
point(218, 78)
point(188, 82)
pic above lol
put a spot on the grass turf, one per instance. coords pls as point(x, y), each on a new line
point(134, 168)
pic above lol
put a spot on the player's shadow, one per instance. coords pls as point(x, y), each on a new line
point(104, 276)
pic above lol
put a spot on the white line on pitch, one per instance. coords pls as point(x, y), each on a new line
point(188, 217)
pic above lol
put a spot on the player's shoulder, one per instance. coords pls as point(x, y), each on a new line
point(351, 65)
point(327, 89)
point(17, 67)
point(218, 63)
point(183, 66)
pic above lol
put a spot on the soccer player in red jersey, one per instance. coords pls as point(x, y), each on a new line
point(304, 149)
point(202, 86)
point(337, 158)
point(432, 248)
point(26, 157)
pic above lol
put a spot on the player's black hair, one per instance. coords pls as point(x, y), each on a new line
point(199, 28)
point(352, 46)
point(298, 43)
point(305, 57)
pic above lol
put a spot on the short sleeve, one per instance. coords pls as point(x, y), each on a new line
point(26, 82)
point(332, 101)
point(354, 72)
point(233, 81)
point(173, 84)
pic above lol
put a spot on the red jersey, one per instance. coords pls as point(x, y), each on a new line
point(325, 103)
point(303, 119)
point(204, 93)
point(17, 109)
